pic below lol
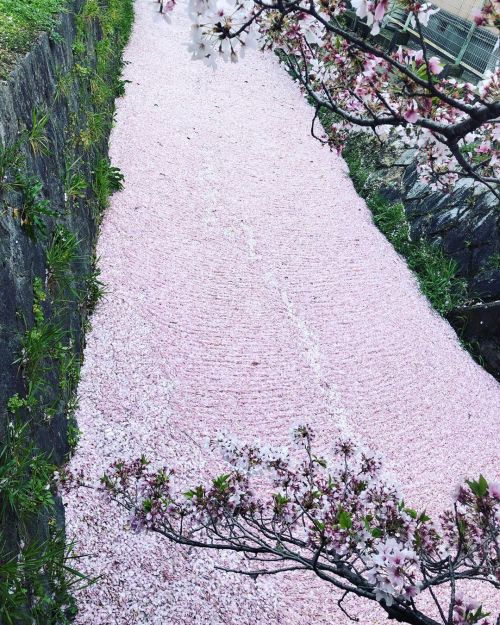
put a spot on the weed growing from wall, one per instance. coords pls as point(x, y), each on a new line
point(37, 134)
point(107, 180)
point(94, 290)
point(75, 183)
point(27, 202)
point(61, 254)
point(34, 208)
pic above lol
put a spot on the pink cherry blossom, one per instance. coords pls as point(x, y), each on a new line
point(494, 490)
point(411, 114)
point(435, 65)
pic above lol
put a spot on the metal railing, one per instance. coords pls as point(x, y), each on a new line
point(454, 38)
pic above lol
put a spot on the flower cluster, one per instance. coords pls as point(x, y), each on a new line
point(468, 611)
point(393, 571)
point(221, 31)
point(401, 96)
point(338, 516)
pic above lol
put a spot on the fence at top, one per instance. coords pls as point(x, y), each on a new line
point(457, 40)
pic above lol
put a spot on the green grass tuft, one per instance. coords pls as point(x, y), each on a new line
point(35, 208)
point(37, 134)
point(107, 180)
point(60, 256)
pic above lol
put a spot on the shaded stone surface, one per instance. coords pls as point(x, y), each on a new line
point(481, 323)
point(466, 224)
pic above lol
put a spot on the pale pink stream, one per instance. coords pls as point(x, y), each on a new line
point(248, 289)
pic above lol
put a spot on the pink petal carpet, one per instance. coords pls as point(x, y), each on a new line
point(248, 289)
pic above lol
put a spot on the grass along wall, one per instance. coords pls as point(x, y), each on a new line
point(57, 91)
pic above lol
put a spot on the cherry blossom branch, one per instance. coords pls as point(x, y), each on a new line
point(337, 517)
point(393, 94)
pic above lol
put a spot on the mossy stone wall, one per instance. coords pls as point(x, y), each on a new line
point(56, 113)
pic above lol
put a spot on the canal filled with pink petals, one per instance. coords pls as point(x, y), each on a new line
point(248, 290)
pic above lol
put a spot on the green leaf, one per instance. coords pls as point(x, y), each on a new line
point(196, 492)
point(421, 71)
point(221, 482)
point(320, 461)
point(479, 488)
point(411, 512)
point(483, 486)
point(345, 520)
point(280, 501)
point(478, 615)
point(377, 532)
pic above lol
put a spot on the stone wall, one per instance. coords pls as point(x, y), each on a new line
point(32, 87)
point(56, 113)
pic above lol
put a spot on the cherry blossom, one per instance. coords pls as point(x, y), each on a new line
point(401, 96)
